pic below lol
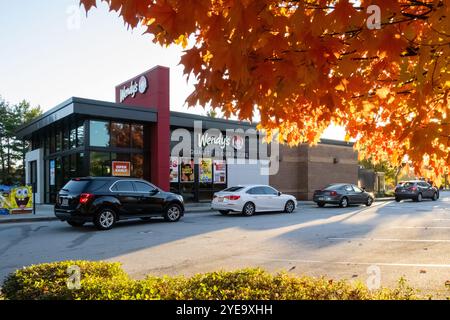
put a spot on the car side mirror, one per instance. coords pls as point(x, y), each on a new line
point(153, 192)
point(279, 193)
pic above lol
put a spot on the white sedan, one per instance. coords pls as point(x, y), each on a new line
point(249, 199)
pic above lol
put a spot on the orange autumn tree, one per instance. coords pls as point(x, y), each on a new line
point(306, 64)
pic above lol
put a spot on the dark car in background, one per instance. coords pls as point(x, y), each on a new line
point(106, 200)
point(342, 194)
point(416, 190)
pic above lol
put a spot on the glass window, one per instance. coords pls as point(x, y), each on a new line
point(80, 164)
point(99, 133)
point(66, 135)
point(66, 167)
point(73, 138)
point(120, 135)
point(137, 165)
point(76, 186)
point(120, 157)
point(348, 188)
point(233, 189)
point(124, 186)
point(357, 189)
point(73, 166)
point(52, 143)
point(270, 191)
point(58, 141)
point(143, 187)
point(137, 136)
point(100, 164)
point(80, 135)
point(256, 190)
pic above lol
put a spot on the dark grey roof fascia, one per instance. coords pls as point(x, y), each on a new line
point(88, 107)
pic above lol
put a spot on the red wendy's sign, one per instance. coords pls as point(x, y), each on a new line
point(121, 168)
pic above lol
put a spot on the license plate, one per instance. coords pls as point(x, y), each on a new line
point(65, 202)
point(220, 199)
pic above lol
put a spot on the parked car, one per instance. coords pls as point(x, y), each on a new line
point(342, 194)
point(249, 199)
point(417, 190)
point(106, 200)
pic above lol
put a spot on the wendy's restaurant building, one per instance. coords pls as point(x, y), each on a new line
point(138, 136)
point(195, 156)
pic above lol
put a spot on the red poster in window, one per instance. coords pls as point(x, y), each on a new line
point(121, 168)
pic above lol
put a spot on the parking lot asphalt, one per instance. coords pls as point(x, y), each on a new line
point(405, 239)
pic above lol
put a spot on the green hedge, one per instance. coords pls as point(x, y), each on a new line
point(105, 281)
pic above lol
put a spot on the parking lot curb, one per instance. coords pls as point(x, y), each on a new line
point(30, 219)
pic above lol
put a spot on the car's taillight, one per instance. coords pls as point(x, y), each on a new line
point(333, 193)
point(86, 197)
point(233, 197)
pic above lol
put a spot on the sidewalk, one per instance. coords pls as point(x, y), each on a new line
point(44, 212)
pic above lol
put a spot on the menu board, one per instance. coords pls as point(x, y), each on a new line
point(220, 172)
point(174, 175)
point(187, 170)
point(205, 170)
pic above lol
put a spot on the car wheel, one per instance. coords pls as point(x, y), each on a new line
point(173, 213)
point(224, 212)
point(419, 197)
point(146, 219)
point(397, 199)
point(435, 197)
point(369, 201)
point(105, 219)
point(289, 207)
point(321, 204)
point(75, 223)
point(343, 203)
point(249, 209)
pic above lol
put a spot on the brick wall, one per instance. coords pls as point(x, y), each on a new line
point(304, 169)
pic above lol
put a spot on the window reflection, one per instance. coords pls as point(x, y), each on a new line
point(120, 135)
point(137, 136)
point(99, 133)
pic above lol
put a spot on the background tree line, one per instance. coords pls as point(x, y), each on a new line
point(12, 150)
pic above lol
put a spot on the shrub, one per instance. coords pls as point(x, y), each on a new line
point(49, 280)
point(104, 281)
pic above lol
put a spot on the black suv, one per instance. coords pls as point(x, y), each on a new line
point(106, 200)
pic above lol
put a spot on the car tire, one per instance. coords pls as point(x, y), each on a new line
point(369, 201)
point(248, 209)
point(289, 206)
point(105, 219)
point(435, 196)
point(76, 224)
point(173, 213)
point(419, 198)
point(224, 212)
point(321, 204)
point(397, 199)
point(344, 202)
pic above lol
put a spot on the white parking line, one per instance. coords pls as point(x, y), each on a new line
point(406, 227)
point(390, 240)
point(421, 265)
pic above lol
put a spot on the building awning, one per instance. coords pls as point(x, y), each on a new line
point(88, 108)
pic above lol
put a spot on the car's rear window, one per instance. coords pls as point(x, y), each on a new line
point(76, 186)
point(408, 184)
point(233, 189)
point(334, 186)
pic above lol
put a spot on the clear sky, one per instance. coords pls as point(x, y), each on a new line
point(50, 51)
